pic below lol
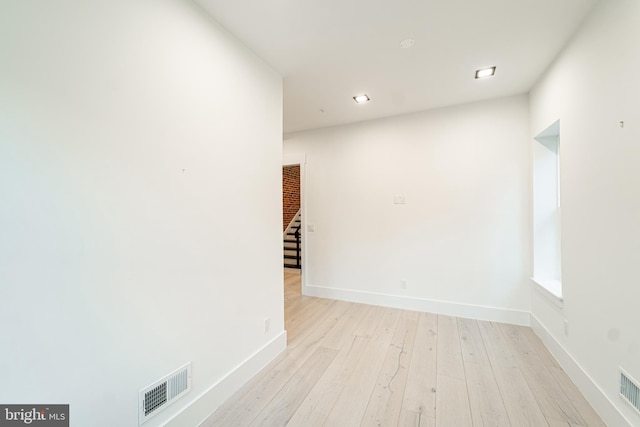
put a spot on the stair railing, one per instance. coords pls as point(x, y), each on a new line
point(297, 236)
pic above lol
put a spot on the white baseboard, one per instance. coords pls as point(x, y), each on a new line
point(206, 403)
point(591, 391)
point(469, 311)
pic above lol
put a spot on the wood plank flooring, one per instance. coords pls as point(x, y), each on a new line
point(351, 364)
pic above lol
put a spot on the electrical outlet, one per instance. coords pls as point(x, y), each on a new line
point(403, 284)
point(267, 325)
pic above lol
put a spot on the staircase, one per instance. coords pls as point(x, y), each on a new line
point(292, 240)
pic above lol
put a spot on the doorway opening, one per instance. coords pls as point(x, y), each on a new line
point(291, 218)
point(295, 254)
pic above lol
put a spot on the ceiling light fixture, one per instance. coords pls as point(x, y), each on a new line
point(485, 72)
point(361, 99)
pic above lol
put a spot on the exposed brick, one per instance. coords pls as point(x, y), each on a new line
point(290, 193)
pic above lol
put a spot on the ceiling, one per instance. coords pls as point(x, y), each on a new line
point(331, 50)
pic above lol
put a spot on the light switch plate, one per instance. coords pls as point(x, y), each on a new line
point(400, 199)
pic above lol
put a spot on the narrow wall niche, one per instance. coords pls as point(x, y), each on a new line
point(547, 258)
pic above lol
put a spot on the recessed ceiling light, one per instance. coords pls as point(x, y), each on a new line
point(485, 72)
point(361, 99)
point(406, 43)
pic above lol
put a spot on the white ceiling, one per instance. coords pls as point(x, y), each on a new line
point(331, 50)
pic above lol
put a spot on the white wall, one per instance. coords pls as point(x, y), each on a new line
point(138, 184)
point(592, 86)
point(461, 241)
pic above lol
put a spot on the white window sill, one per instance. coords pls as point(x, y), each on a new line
point(550, 289)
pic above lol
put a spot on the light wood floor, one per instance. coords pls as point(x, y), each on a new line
point(351, 364)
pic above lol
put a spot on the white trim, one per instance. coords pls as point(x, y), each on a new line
point(294, 159)
point(550, 289)
point(200, 409)
point(493, 314)
point(596, 397)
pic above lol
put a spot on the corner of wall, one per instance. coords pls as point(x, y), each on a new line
point(199, 410)
point(589, 388)
point(448, 308)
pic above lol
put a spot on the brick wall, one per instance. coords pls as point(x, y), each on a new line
point(290, 193)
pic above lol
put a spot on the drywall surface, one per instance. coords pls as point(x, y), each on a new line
point(593, 90)
point(460, 242)
point(125, 246)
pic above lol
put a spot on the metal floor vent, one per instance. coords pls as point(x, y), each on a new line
point(629, 390)
point(162, 393)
